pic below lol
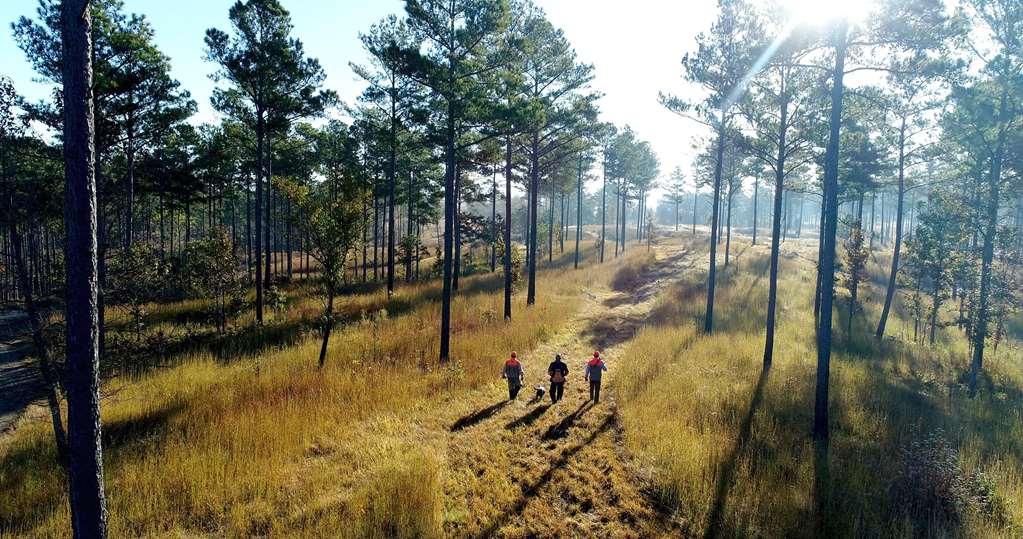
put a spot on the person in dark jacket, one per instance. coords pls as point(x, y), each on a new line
point(514, 373)
point(594, 369)
point(558, 372)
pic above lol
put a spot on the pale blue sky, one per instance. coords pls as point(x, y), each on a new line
point(635, 46)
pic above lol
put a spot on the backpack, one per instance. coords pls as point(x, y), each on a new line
point(558, 376)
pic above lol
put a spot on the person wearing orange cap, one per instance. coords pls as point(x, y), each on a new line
point(514, 373)
point(594, 369)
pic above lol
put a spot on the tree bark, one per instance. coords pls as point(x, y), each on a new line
point(85, 485)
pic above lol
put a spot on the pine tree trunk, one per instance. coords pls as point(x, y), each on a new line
point(534, 195)
point(449, 233)
point(603, 213)
point(779, 189)
point(987, 257)
point(708, 321)
point(507, 229)
point(391, 181)
point(258, 211)
point(85, 485)
point(578, 212)
point(820, 424)
point(894, 272)
point(493, 222)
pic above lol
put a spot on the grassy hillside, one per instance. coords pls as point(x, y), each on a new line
point(728, 444)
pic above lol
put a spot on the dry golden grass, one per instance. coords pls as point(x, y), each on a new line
point(728, 445)
point(228, 444)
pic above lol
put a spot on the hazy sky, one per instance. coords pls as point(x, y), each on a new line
point(635, 47)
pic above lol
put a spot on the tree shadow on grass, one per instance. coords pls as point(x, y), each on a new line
point(529, 418)
point(478, 416)
point(560, 429)
point(531, 489)
point(35, 465)
point(715, 519)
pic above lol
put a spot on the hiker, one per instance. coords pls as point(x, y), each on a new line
point(514, 374)
point(594, 369)
point(558, 372)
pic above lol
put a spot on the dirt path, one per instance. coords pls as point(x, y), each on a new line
point(570, 474)
point(20, 382)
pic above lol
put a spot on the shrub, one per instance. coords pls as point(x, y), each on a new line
point(209, 269)
point(932, 486)
point(136, 278)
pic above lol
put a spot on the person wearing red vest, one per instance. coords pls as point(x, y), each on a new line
point(594, 369)
point(514, 373)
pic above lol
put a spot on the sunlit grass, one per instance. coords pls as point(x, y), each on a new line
point(724, 442)
point(236, 444)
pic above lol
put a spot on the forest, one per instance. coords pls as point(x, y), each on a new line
point(296, 319)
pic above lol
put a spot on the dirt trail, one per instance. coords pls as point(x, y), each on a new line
point(20, 381)
point(567, 461)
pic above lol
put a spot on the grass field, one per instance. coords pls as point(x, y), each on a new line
point(728, 444)
point(241, 435)
point(245, 436)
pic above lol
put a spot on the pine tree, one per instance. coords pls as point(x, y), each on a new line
point(272, 83)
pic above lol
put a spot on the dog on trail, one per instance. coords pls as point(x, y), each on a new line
point(540, 390)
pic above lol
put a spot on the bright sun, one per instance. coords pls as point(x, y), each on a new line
point(823, 11)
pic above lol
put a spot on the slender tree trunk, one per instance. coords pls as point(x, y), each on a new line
point(987, 256)
point(893, 274)
point(708, 321)
point(391, 180)
point(578, 211)
point(86, 492)
point(820, 424)
point(696, 200)
point(603, 213)
point(779, 189)
point(507, 229)
point(728, 227)
point(493, 222)
point(449, 233)
point(258, 211)
point(328, 324)
point(625, 214)
point(534, 195)
point(550, 225)
point(458, 227)
point(756, 201)
point(41, 347)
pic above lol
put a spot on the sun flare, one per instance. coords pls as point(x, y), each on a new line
point(824, 11)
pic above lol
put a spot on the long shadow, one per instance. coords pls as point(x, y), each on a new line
point(821, 487)
point(727, 477)
point(560, 429)
point(530, 490)
point(529, 418)
point(36, 463)
point(478, 416)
